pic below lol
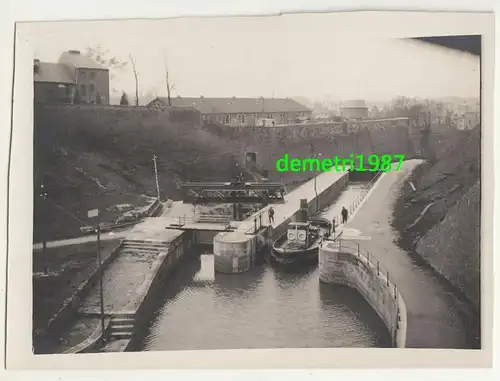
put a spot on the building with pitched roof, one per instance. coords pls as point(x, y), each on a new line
point(74, 78)
point(354, 109)
point(241, 112)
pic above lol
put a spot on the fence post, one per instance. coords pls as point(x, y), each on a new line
point(378, 268)
point(395, 292)
point(255, 225)
point(368, 257)
point(387, 277)
point(357, 243)
point(260, 219)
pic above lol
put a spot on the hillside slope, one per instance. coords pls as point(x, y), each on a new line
point(90, 156)
point(88, 161)
point(442, 183)
point(452, 247)
point(440, 222)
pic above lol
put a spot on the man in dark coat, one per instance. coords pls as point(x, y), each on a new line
point(271, 215)
point(344, 215)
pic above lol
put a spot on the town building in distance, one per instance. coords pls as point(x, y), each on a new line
point(242, 112)
point(75, 78)
point(354, 109)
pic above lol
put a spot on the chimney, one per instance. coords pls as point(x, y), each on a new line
point(36, 65)
point(302, 215)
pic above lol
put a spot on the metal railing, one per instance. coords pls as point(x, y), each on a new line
point(209, 218)
point(374, 265)
point(257, 222)
point(337, 221)
point(365, 257)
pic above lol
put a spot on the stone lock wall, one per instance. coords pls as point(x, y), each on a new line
point(343, 266)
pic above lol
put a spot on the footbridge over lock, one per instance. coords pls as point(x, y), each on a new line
point(237, 242)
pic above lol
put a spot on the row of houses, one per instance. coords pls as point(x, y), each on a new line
point(242, 112)
point(256, 111)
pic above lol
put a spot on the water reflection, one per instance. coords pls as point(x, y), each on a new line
point(238, 285)
point(341, 300)
point(266, 307)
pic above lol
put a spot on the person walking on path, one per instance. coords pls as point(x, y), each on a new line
point(270, 213)
point(344, 215)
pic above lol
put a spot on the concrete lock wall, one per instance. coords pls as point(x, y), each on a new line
point(234, 252)
point(164, 265)
point(342, 267)
point(204, 237)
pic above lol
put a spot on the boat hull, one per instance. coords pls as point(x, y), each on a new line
point(309, 255)
point(287, 255)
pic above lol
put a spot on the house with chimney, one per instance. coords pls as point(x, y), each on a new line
point(75, 78)
point(354, 109)
point(241, 112)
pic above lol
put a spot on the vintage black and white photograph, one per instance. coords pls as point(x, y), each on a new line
point(254, 183)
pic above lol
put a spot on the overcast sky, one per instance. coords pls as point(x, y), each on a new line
point(266, 56)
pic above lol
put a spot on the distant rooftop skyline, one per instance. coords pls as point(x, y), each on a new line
point(266, 56)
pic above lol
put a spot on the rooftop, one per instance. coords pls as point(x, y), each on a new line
point(79, 61)
point(354, 103)
point(237, 105)
point(52, 72)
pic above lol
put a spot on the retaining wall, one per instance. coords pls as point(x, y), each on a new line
point(58, 323)
point(343, 266)
point(164, 264)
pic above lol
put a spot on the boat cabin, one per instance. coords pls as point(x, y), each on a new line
point(300, 234)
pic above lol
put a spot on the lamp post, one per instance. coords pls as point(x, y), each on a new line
point(94, 213)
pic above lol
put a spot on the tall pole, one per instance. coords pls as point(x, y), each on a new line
point(156, 176)
point(315, 175)
point(44, 229)
point(316, 192)
point(101, 293)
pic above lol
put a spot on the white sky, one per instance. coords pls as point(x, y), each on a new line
point(313, 56)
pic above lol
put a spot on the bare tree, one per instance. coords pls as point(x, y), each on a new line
point(136, 80)
point(170, 86)
point(103, 57)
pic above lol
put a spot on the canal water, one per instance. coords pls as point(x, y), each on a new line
point(267, 307)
